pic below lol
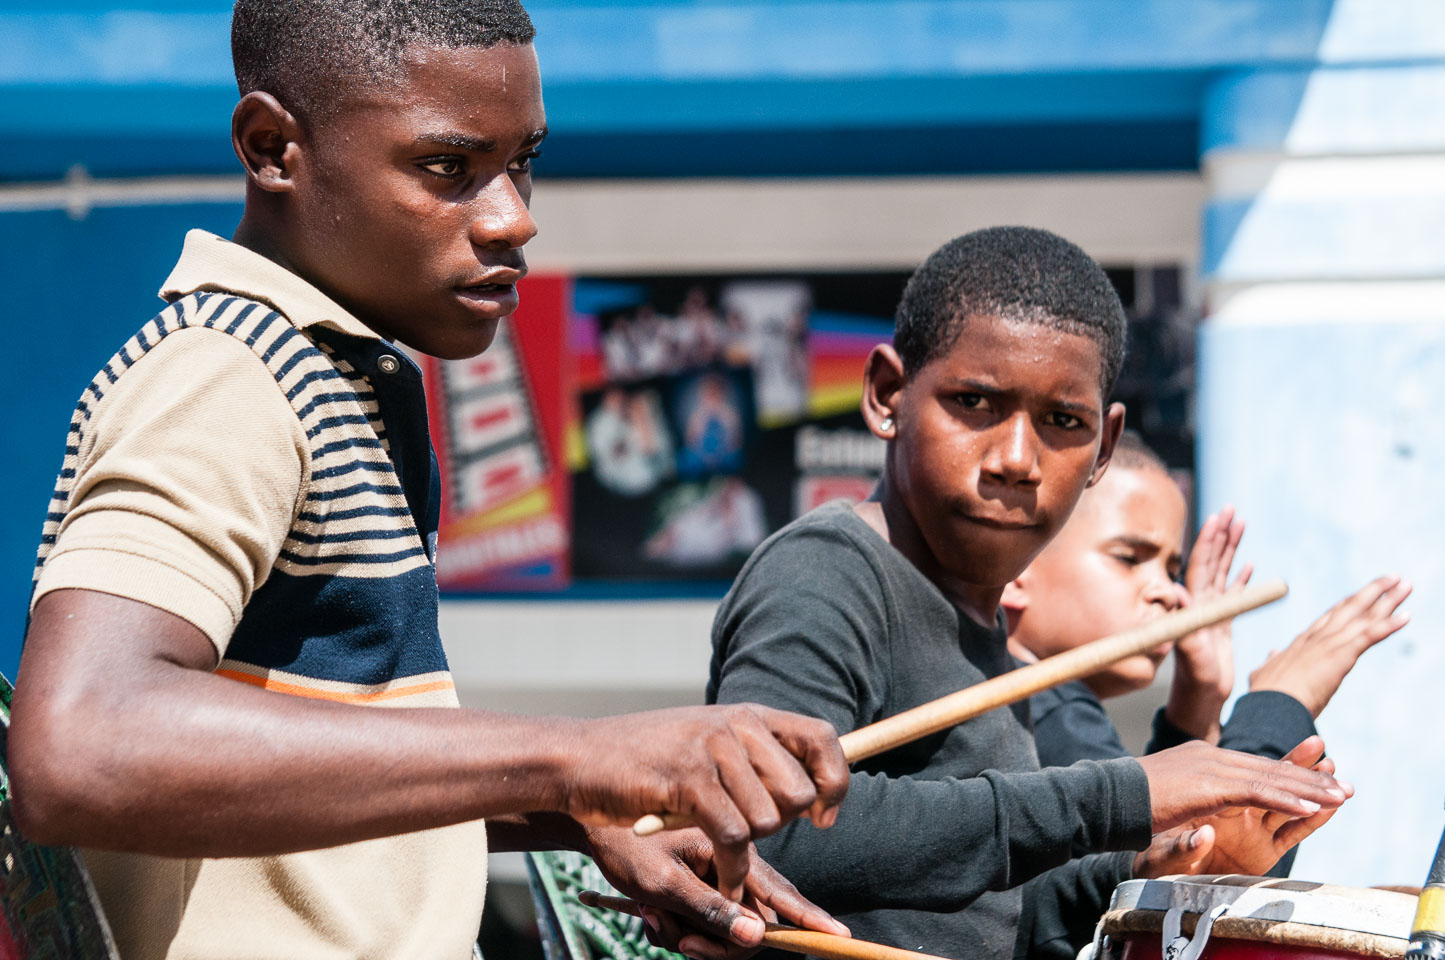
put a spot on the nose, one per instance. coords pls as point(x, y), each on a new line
point(1013, 458)
point(1162, 591)
point(500, 216)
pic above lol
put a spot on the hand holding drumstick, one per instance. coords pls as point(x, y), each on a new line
point(781, 937)
point(1201, 779)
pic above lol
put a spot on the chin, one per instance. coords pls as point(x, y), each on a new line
point(991, 557)
point(455, 344)
point(1127, 676)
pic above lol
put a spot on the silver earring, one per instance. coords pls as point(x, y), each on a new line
point(886, 425)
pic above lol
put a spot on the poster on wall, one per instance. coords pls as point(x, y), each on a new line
point(497, 423)
point(713, 410)
point(658, 429)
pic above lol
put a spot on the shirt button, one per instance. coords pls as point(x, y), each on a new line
point(387, 363)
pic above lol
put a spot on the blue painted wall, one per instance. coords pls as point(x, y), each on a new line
point(663, 88)
point(75, 290)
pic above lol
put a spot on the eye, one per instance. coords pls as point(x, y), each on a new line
point(970, 401)
point(523, 164)
point(449, 167)
point(1127, 557)
point(1066, 421)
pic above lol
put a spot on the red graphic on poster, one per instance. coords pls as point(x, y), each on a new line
point(497, 422)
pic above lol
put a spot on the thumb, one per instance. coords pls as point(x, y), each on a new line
point(1201, 846)
point(710, 912)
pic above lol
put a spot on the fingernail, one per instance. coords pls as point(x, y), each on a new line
point(1195, 840)
point(1346, 786)
point(1310, 806)
point(688, 946)
point(650, 920)
point(1337, 792)
point(747, 930)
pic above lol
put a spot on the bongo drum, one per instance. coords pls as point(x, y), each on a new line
point(1251, 918)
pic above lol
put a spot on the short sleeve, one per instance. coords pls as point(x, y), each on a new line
point(190, 473)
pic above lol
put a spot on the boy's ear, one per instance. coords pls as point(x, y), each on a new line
point(1113, 429)
point(266, 138)
point(1015, 600)
point(883, 381)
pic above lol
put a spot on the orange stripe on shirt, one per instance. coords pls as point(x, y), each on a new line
point(297, 690)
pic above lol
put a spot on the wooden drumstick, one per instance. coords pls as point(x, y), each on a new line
point(1026, 681)
point(782, 937)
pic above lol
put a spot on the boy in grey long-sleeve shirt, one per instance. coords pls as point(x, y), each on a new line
point(957, 819)
point(992, 403)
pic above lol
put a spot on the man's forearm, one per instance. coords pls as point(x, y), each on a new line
point(196, 765)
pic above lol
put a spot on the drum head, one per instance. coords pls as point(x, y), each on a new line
point(1345, 920)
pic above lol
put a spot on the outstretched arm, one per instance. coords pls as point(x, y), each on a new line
point(1312, 667)
point(1204, 660)
point(803, 631)
point(123, 738)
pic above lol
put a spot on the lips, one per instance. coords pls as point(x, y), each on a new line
point(490, 301)
point(499, 276)
point(1001, 523)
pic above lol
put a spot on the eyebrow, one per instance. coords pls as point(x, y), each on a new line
point(1138, 543)
point(462, 141)
point(993, 390)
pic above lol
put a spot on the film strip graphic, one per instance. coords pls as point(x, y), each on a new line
point(495, 448)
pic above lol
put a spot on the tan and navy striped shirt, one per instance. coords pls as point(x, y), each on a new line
point(255, 460)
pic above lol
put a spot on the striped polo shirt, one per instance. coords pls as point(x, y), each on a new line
point(256, 461)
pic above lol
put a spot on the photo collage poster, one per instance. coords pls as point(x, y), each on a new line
point(657, 429)
point(713, 410)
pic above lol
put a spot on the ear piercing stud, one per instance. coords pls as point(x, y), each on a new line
point(886, 425)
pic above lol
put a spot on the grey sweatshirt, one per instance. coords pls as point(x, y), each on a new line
point(934, 838)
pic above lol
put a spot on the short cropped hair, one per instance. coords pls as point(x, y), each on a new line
point(1132, 453)
point(1015, 273)
point(308, 53)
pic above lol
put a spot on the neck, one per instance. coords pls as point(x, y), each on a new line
point(257, 233)
point(1021, 652)
point(885, 512)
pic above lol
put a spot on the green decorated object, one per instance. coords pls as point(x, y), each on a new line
point(49, 909)
point(571, 931)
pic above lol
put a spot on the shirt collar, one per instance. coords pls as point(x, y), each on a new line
point(209, 262)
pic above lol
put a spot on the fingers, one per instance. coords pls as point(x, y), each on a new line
point(1286, 788)
point(1242, 580)
point(1203, 557)
point(1196, 780)
point(1201, 844)
point(786, 789)
point(815, 745)
point(771, 890)
point(1191, 848)
point(715, 813)
point(753, 774)
point(693, 907)
point(1231, 533)
point(1295, 831)
point(1308, 753)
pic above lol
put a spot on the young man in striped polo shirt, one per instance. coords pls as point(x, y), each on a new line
point(235, 591)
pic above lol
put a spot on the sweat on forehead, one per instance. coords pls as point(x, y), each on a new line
point(309, 53)
point(1017, 274)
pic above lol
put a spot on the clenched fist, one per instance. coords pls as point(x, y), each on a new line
point(739, 772)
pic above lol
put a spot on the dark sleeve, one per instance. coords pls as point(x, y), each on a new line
point(1268, 724)
point(1166, 734)
point(1062, 906)
point(804, 629)
point(1070, 727)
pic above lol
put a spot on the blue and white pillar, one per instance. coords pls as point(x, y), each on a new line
point(1321, 404)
